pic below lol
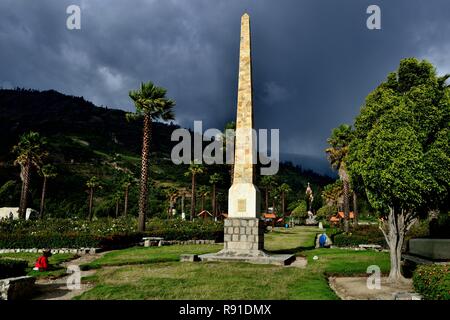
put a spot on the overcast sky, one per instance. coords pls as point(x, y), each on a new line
point(314, 61)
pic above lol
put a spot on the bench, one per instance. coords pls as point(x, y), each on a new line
point(152, 241)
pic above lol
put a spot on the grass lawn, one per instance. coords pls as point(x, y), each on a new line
point(156, 273)
point(55, 260)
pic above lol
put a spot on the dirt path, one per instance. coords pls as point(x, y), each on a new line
point(56, 289)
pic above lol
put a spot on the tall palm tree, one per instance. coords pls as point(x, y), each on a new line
point(172, 194)
point(214, 179)
point(268, 183)
point(194, 170)
point(127, 181)
point(92, 184)
point(151, 103)
point(48, 171)
point(30, 153)
point(284, 190)
point(203, 191)
point(117, 196)
point(337, 155)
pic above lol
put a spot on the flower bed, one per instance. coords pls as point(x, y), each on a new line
point(432, 281)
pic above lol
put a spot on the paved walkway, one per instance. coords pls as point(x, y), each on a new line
point(355, 288)
point(56, 289)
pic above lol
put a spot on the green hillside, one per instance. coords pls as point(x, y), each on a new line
point(85, 140)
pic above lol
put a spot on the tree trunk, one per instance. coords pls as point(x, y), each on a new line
point(355, 209)
point(44, 189)
point(346, 206)
point(214, 201)
point(91, 198)
point(203, 202)
point(143, 196)
point(282, 204)
point(25, 187)
point(182, 204)
point(267, 200)
point(117, 209)
point(125, 205)
point(394, 230)
point(193, 197)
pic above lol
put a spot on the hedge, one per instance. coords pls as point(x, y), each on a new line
point(432, 281)
point(360, 235)
point(10, 268)
point(103, 233)
point(70, 240)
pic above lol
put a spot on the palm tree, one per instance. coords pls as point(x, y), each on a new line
point(92, 184)
point(194, 170)
point(172, 194)
point(284, 190)
point(267, 182)
point(337, 155)
point(151, 103)
point(48, 171)
point(203, 191)
point(214, 179)
point(116, 197)
point(126, 184)
point(30, 152)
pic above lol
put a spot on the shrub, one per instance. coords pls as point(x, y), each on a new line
point(432, 281)
point(10, 268)
point(301, 211)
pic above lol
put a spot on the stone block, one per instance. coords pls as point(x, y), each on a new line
point(236, 230)
point(235, 238)
point(227, 237)
point(243, 222)
point(189, 258)
point(227, 223)
point(242, 230)
point(236, 222)
point(434, 249)
point(16, 288)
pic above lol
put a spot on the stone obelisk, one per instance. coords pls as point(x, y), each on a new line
point(243, 230)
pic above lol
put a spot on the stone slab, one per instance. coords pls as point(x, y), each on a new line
point(189, 258)
point(18, 288)
point(434, 249)
point(263, 258)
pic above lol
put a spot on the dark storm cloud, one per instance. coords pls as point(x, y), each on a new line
point(314, 60)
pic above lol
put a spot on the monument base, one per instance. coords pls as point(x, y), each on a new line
point(244, 242)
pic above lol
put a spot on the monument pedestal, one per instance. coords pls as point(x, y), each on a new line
point(244, 242)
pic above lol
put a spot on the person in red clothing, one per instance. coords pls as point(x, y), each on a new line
point(42, 262)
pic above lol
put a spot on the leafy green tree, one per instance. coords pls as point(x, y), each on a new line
point(301, 211)
point(30, 153)
point(337, 155)
point(151, 104)
point(92, 184)
point(327, 211)
point(48, 171)
point(214, 179)
point(193, 171)
point(401, 150)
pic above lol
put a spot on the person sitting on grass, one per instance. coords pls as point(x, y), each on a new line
point(42, 262)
